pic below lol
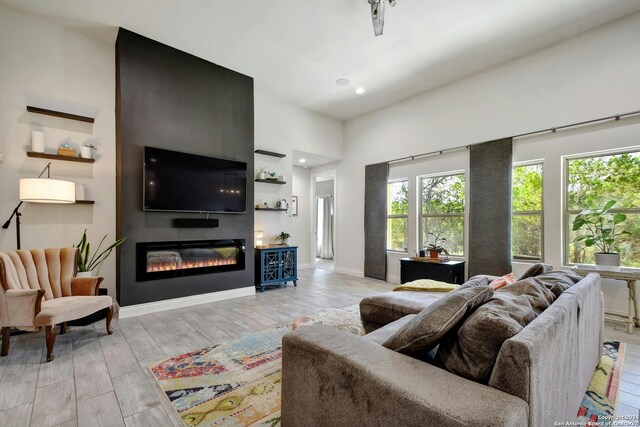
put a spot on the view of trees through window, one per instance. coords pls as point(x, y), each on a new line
point(526, 222)
point(593, 181)
point(397, 215)
point(443, 211)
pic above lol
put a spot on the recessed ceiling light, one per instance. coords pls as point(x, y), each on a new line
point(302, 160)
point(360, 90)
point(343, 82)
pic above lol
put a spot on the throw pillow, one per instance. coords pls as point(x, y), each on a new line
point(472, 351)
point(426, 285)
point(535, 270)
point(558, 281)
point(503, 281)
point(423, 332)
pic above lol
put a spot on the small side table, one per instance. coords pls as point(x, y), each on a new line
point(629, 275)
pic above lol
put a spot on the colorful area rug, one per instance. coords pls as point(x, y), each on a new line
point(599, 403)
point(238, 383)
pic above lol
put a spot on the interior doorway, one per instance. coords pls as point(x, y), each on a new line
point(324, 221)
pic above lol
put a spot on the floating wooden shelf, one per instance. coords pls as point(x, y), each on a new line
point(57, 157)
point(271, 209)
point(271, 181)
point(60, 114)
point(85, 202)
point(270, 153)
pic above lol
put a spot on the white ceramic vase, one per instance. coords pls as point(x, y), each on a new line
point(84, 274)
point(37, 141)
point(262, 175)
point(608, 262)
point(86, 152)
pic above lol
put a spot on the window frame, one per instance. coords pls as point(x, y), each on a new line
point(541, 213)
point(389, 182)
point(566, 212)
point(422, 215)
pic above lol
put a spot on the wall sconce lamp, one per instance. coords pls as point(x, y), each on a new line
point(41, 190)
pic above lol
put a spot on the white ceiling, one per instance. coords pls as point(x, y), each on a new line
point(311, 160)
point(297, 49)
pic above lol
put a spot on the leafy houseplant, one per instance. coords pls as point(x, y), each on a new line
point(598, 228)
point(282, 237)
point(88, 262)
point(436, 248)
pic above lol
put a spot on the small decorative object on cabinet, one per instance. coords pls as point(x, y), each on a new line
point(276, 265)
point(446, 271)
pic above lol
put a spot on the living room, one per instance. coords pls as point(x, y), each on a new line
point(315, 84)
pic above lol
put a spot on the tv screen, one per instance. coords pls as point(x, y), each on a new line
point(182, 182)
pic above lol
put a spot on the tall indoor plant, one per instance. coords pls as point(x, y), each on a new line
point(598, 227)
point(87, 262)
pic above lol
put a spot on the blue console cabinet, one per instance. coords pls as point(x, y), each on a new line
point(276, 265)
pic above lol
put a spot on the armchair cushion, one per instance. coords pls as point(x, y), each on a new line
point(85, 286)
point(60, 310)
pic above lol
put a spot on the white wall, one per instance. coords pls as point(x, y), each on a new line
point(589, 76)
point(48, 66)
point(282, 128)
point(301, 223)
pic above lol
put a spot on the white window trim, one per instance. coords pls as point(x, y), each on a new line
point(398, 251)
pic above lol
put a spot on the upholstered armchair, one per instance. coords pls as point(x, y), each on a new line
point(38, 288)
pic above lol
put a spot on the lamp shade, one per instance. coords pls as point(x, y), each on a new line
point(47, 190)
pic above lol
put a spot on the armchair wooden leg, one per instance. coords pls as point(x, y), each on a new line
point(63, 328)
point(109, 317)
point(51, 339)
point(5, 341)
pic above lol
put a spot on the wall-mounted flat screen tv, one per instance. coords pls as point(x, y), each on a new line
point(182, 182)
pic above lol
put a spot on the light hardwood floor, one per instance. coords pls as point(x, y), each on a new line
point(101, 380)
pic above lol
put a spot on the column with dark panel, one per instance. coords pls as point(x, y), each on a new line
point(375, 221)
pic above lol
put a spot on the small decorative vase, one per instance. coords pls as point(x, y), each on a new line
point(84, 274)
point(262, 175)
point(281, 178)
point(37, 141)
point(433, 254)
point(608, 262)
point(86, 152)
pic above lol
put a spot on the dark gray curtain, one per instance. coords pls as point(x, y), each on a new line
point(375, 220)
point(490, 207)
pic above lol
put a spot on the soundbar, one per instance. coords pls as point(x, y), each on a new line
point(195, 222)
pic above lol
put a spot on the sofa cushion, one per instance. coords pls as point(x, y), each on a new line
point(422, 333)
point(558, 281)
point(382, 334)
point(472, 351)
point(59, 310)
point(382, 309)
point(536, 269)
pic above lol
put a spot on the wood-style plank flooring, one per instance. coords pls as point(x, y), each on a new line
point(101, 380)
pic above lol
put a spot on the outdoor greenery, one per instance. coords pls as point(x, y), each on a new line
point(397, 212)
point(443, 211)
point(526, 224)
point(600, 228)
point(591, 183)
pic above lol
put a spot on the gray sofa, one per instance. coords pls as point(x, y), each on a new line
point(332, 378)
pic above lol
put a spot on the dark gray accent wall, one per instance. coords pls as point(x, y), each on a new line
point(375, 220)
point(490, 174)
point(169, 99)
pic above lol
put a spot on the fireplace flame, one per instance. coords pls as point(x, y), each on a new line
point(182, 265)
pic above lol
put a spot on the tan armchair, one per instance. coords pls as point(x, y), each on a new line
point(39, 288)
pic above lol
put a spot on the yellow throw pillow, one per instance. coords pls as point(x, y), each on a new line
point(427, 285)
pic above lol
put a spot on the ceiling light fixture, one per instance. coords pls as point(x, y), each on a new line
point(377, 14)
point(343, 82)
point(360, 90)
point(302, 160)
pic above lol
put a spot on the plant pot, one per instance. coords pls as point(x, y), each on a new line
point(262, 175)
point(433, 254)
point(86, 152)
point(85, 274)
point(608, 262)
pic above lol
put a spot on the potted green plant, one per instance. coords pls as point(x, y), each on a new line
point(282, 237)
point(436, 248)
point(598, 227)
point(87, 262)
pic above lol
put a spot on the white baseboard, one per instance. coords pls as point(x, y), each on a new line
point(304, 266)
point(393, 279)
point(349, 271)
point(170, 304)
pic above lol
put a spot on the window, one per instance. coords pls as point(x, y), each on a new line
point(593, 181)
point(526, 221)
point(442, 207)
point(397, 215)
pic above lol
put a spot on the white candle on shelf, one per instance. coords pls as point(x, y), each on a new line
point(37, 141)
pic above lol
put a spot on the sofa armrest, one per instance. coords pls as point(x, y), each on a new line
point(330, 377)
point(23, 305)
point(85, 286)
point(489, 277)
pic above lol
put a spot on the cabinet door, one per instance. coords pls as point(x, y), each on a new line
point(270, 266)
point(288, 264)
point(412, 270)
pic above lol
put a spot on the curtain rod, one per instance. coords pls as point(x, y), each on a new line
point(615, 117)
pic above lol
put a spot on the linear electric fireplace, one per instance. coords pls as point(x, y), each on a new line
point(162, 260)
